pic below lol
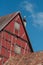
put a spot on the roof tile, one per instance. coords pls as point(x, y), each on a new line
point(27, 59)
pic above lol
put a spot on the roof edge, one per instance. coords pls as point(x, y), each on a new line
point(26, 35)
point(9, 20)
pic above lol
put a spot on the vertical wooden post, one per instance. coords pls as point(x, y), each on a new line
point(2, 60)
point(11, 45)
point(25, 48)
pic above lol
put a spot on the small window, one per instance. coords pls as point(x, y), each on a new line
point(17, 49)
point(17, 26)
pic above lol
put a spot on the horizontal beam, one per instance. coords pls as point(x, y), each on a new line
point(12, 44)
point(2, 56)
point(15, 35)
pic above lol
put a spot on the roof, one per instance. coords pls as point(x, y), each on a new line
point(4, 20)
point(35, 58)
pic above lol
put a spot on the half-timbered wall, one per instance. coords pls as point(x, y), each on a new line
point(13, 40)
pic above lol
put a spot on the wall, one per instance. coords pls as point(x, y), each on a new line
point(10, 37)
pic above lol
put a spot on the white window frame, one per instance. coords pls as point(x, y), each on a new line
point(16, 26)
point(17, 49)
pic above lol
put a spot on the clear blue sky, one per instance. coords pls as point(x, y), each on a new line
point(33, 10)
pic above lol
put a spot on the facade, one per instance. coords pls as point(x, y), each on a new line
point(13, 37)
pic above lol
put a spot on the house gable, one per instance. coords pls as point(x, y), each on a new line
point(22, 33)
point(13, 36)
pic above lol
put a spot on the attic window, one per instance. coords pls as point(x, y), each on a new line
point(17, 49)
point(17, 26)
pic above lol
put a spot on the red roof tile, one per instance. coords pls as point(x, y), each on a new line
point(27, 59)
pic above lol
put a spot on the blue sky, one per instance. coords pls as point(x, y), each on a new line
point(33, 10)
